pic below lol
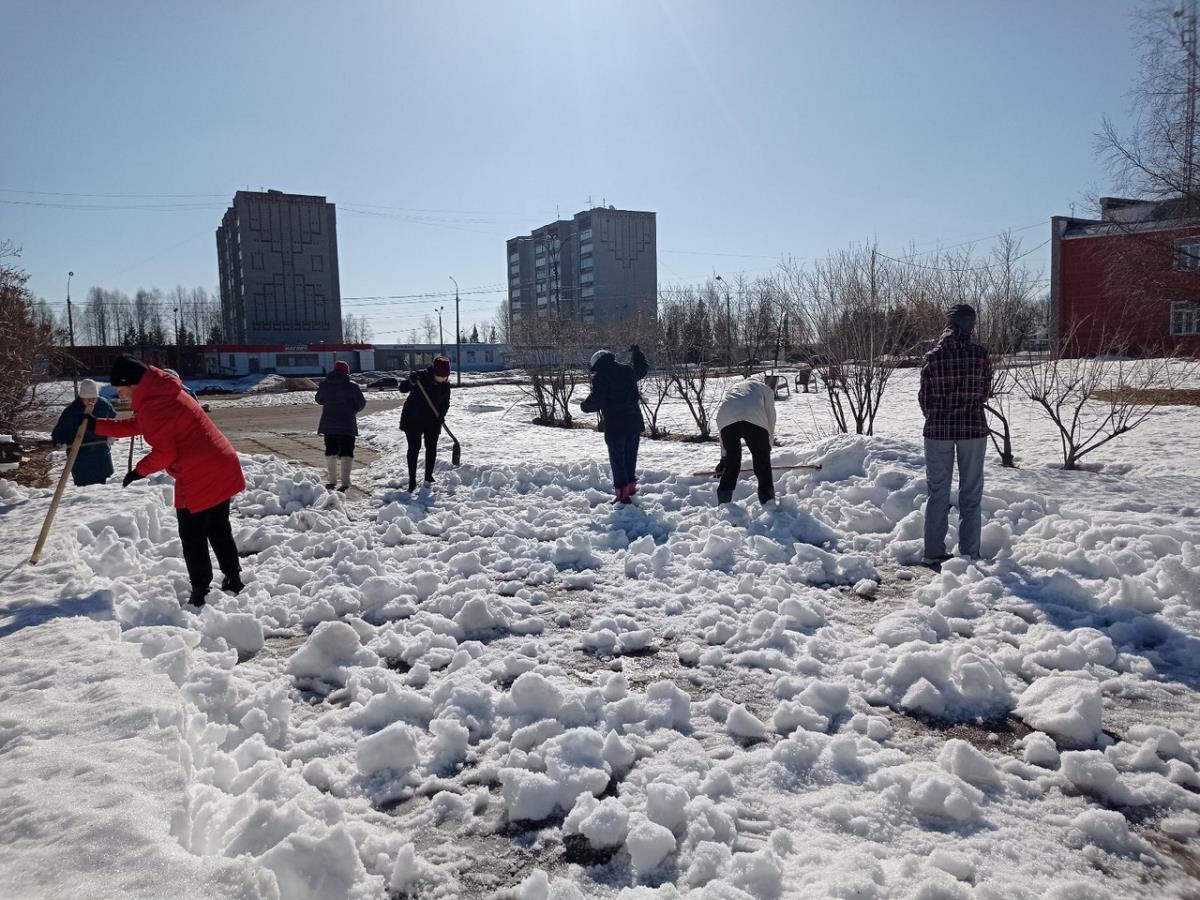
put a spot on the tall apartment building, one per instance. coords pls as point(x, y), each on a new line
point(277, 255)
point(601, 265)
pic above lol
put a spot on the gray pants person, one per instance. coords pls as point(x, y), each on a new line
point(939, 470)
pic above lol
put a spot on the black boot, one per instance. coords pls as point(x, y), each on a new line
point(412, 481)
point(197, 597)
point(232, 584)
point(724, 496)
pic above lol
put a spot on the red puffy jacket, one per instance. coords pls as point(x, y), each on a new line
point(183, 441)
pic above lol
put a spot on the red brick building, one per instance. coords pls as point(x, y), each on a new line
point(1128, 282)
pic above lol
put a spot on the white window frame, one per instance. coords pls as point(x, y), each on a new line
point(1185, 318)
point(1187, 255)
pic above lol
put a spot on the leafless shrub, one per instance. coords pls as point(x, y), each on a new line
point(999, 407)
point(548, 348)
point(1094, 400)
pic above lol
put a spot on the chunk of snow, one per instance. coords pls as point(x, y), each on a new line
point(1067, 707)
point(392, 749)
point(648, 844)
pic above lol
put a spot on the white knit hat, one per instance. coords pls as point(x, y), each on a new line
point(597, 356)
point(88, 389)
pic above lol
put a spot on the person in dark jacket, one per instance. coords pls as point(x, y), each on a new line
point(956, 381)
point(94, 463)
point(419, 421)
point(186, 444)
point(187, 390)
point(615, 396)
point(341, 401)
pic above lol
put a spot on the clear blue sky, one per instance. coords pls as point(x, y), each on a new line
point(753, 129)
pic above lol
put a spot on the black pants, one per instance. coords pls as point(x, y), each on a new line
point(414, 451)
point(196, 532)
point(339, 445)
point(759, 442)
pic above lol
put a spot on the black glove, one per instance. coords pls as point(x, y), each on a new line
point(720, 470)
point(133, 476)
point(635, 349)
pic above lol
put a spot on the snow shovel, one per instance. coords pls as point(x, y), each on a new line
point(715, 474)
point(58, 492)
point(456, 450)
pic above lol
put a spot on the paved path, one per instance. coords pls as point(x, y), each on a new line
point(289, 432)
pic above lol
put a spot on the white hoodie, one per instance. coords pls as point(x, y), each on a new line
point(748, 401)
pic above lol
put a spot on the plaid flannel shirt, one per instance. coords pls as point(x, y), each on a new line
point(956, 381)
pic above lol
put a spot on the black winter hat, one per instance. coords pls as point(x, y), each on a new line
point(126, 371)
point(961, 317)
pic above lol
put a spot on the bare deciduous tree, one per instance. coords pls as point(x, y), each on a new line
point(429, 329)
point(356, 329)
point(858, 306)
point(26, 346)
point(1157, 158)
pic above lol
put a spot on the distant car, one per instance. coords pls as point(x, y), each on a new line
point(387, 383)
point(211, 390)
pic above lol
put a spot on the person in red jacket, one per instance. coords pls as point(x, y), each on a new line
point(186, 444)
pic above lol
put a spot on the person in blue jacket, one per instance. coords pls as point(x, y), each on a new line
point(94, 464)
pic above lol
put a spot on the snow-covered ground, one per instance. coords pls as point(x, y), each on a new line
point(504, 684)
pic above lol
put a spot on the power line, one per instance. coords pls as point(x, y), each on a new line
point(167, 207)
point(984, 268)
point(117, 196)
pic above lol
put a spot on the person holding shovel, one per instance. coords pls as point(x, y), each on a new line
point(188, 446)
point(421, 418)
point(746, 414)
point(94, 464)
point(341, 401)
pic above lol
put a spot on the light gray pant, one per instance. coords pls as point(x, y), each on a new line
point(939, 469)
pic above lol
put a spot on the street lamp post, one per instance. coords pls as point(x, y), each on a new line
point(441, 337)
point(457, 337)
point(71, 332)
point(728, 324)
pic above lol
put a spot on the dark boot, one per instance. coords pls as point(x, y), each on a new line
point(724, 497)
point(197, 596)
point(232, 584)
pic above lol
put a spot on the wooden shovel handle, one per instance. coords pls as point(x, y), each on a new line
point(58, 492)
point(425, 394)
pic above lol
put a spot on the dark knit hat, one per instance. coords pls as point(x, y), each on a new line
point(341, 366)
point(441, 366)
point(961, 317)
point(126, 371)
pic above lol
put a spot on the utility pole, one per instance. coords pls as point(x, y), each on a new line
point(441, 337)
point(71, 331)
point(457, 337)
